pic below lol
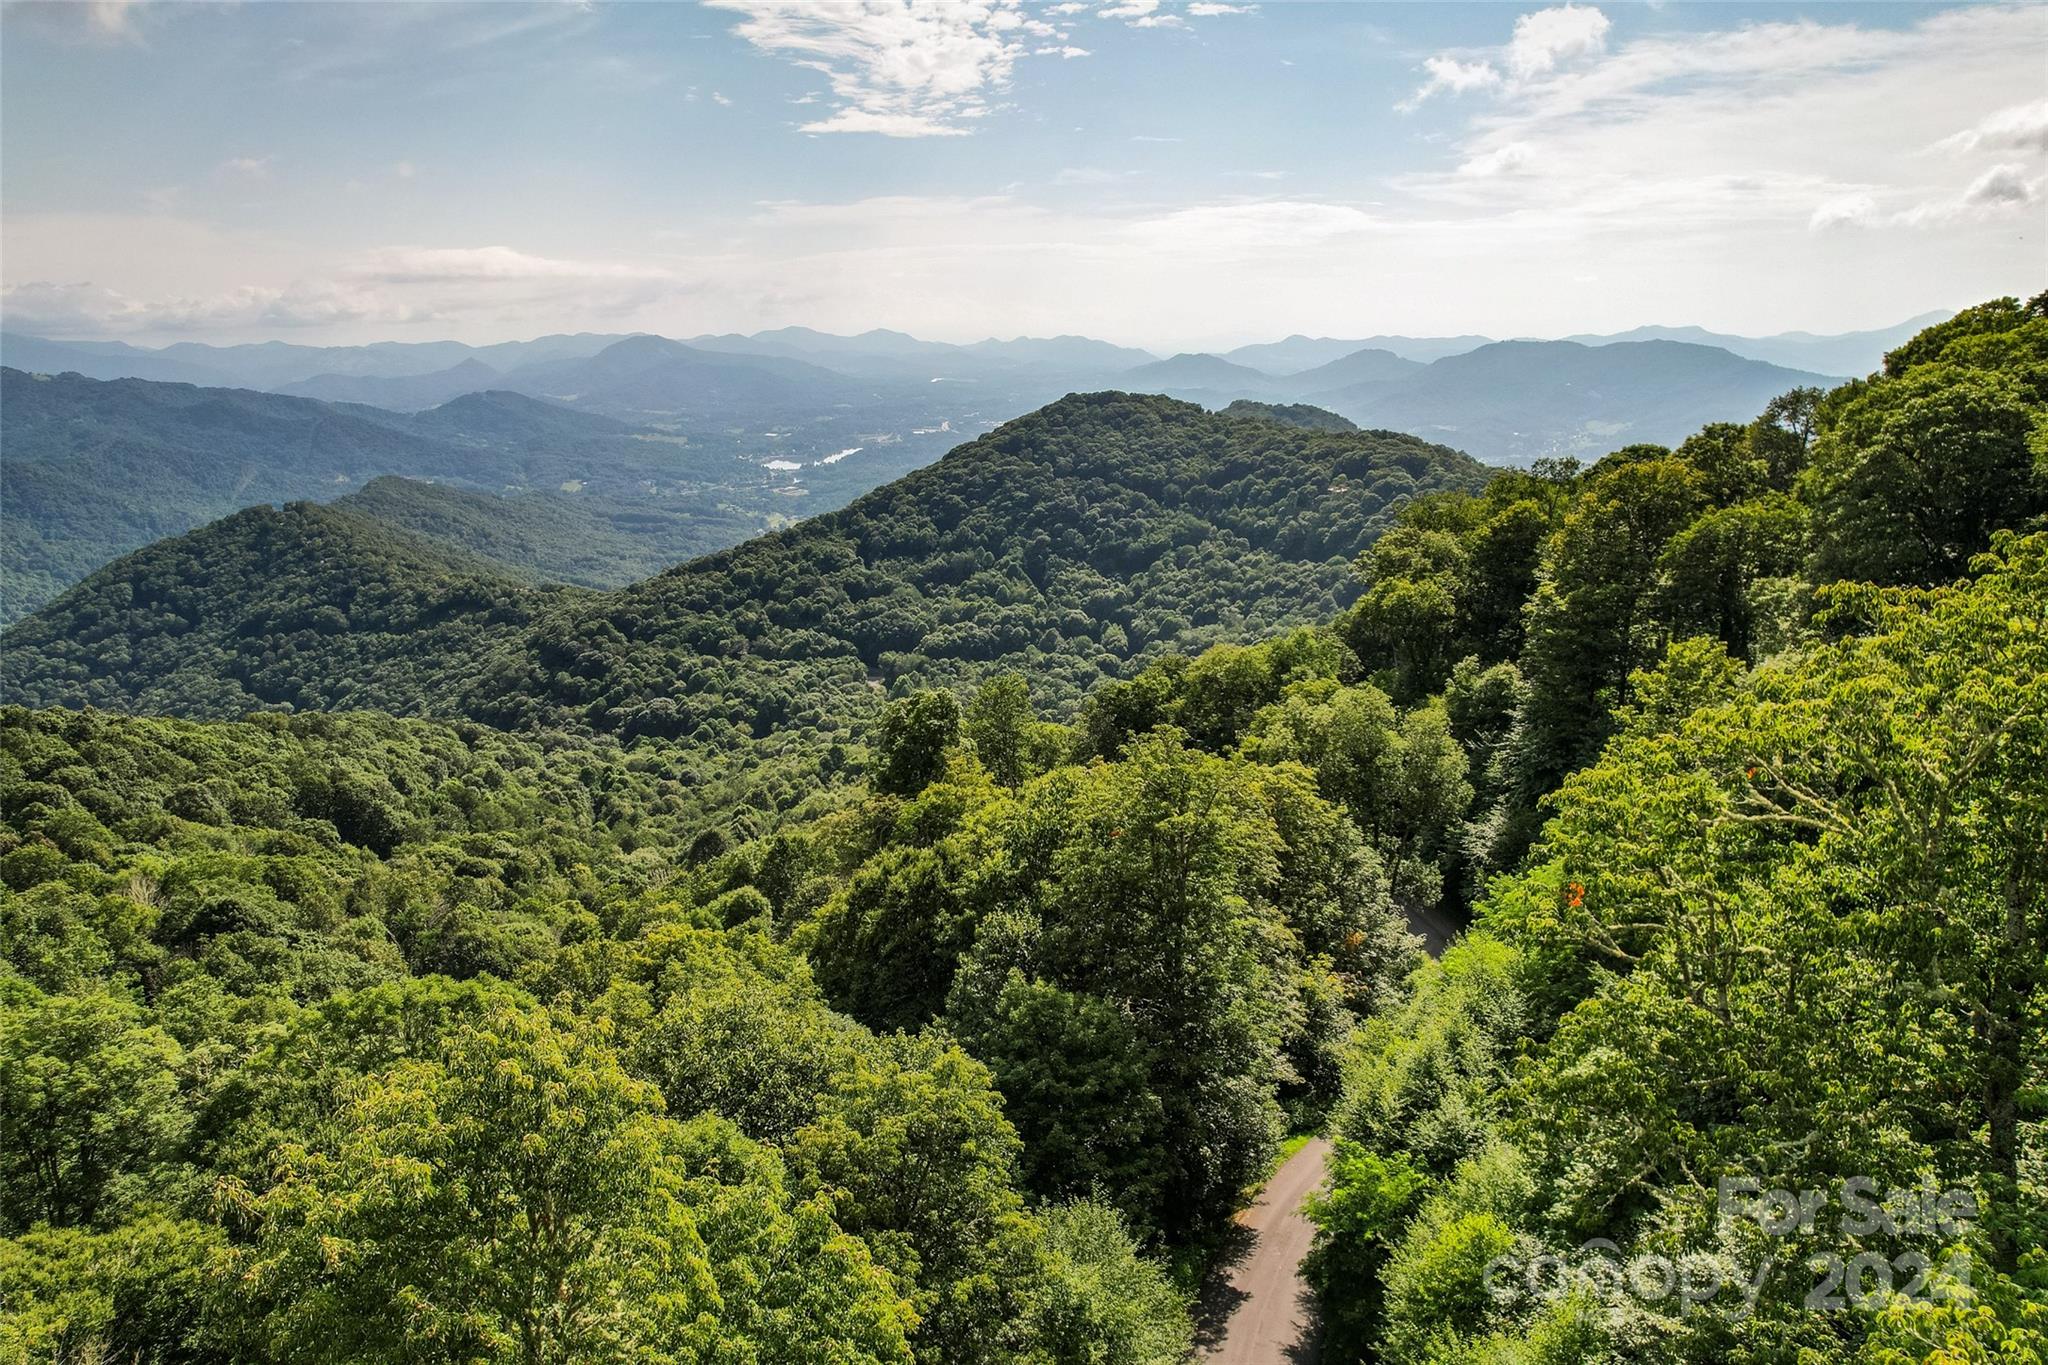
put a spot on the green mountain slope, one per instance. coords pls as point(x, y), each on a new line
point(95, 469)
point(1290, 414)
point(553, 537)
point(951, 1064)
point(307, 607)
point(1093, 533)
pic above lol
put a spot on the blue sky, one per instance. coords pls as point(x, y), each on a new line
point(1170, 173)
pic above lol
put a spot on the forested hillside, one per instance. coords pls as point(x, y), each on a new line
point(1780, 941)
point(1097, 531)
point(343, 1037)
point(96, 469)
point(556, 537)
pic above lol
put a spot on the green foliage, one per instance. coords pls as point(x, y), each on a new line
point(1102, 529)
point(1358, 1216)
point(90, 1119)
point(911, 740)
point(1151, 956)
point(238, 1126)
point(1107, 1304)
point(1914, 473)
point(342, 1036)
point(1788, 926)
point(1423, 1080)
point(1290, 414)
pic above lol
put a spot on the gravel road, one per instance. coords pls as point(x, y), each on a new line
point(1264, 1315)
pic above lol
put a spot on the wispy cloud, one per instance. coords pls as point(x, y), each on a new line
point(1541, 43)
point(2000, 191)
point(1229, 229)
point(895, 67)
point(1784, 125)
point(392, 286)
point(2021, 128)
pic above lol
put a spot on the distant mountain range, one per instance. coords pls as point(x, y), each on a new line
point(440, 368)
point(1506, 402)
point(695, 444)
point(1517, 401)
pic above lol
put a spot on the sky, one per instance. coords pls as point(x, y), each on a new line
point(1175, 174)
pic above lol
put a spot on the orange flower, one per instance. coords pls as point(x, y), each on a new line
point(1575, 895)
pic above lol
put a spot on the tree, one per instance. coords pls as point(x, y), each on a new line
point(1148, 905)
point(1103, 1303)
point(519, 1198)
point(911, 740)
point(1709, 575)
point(999, 721)
point(1917, 473)
point(1358, 1218)
point(917, 1160)
point(1782, 436)
point(91, 1119)
point(1406, 622)
point(1588, 626)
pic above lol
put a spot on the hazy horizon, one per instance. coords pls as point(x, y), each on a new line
point(995, 336)
point(1172, 174)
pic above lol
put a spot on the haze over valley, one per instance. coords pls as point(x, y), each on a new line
point(686, 447)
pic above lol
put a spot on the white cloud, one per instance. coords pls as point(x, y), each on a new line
point(113, 18)
point(1068, 52)
point(1766, 127)
point(1450, 75)
point(2021, 128)
point(1549, 37)
point(2001, 186)
point(1541, 43)
point(1999, 192)
point(250, 167)
point(1159, 21)
point(888, 123)
point(896, 67)
point(405, 170)
point(717, 98)
point(1205, 9)
point(1849, 210)
point(441, 265)
point(1510, 158)
point(1128, 9)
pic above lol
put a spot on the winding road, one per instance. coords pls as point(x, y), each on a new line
point(1258, 1310)
point(1264, 1314)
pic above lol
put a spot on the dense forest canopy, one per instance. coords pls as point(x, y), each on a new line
point(501, 1034)
point(1100, 530)
point(96, 469)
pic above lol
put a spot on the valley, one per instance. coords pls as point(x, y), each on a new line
point(698, 445)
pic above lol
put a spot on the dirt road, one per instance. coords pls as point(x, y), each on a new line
point(1264, 1315)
